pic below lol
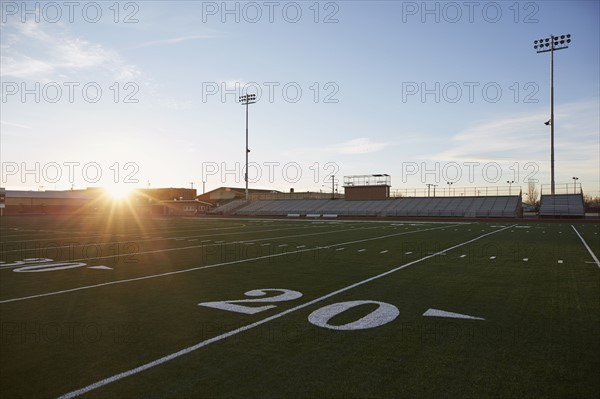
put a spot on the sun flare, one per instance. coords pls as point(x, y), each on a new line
point(118, 192)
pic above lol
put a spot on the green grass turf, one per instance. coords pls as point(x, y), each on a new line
point(539, 337)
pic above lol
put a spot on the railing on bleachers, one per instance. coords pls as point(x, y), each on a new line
point(562, 188)
point(450, 191)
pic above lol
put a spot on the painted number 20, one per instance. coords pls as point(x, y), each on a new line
point(384, 313)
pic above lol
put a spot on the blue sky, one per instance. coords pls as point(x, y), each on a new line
point(426, 92)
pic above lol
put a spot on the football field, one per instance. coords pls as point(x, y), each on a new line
point(100, 307)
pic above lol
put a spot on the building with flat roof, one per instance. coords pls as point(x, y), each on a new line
point(367, 187)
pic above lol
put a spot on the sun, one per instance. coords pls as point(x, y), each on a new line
point(118, 191)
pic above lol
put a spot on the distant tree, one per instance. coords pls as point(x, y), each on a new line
point(591, 202)
point(532, 193)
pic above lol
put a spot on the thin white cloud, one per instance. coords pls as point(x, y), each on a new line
point(21, 66)
point(176, 40)
point(520, 139)
point(17, 125)
point(360, 145)
point(524, 136)
point(37, 54)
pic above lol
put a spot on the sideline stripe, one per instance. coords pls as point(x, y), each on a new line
point(587, 247)
point(209, 266)
point(199, 345)
point(121, 234)
point(137, 241)
point(194, 246)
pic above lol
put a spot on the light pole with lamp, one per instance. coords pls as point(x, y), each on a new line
point(552, 44)
point(246, 100)
point(449, 183)
point(510, 183)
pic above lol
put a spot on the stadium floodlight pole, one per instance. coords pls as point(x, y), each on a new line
point(575, 184)
point(246, 100)
point(449, 183)
point(510, 183)
point(552, 44)
point(332, 186)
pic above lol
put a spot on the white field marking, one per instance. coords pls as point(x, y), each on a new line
point(492, 257)
point(211, 266)
point(49, 267)
point(145, 240)
point(193, 239)
point(282, 245)
point(361, 250)
point(100, 267)
point(463, 255)
point(408, 253)
point(266, 244)
point(525, 259)
point(300, 246)
point(385, 313)
point(522, 227)
point(203, 241)
point(5, 237)
point(384, 252)
point(339, 249)
point(26, 261)
point(587, 247)
point(423, 223)
point(560, 261)
point(185, 351)
point(204, 246)
point(443, 313)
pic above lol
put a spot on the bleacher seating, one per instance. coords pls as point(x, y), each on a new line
point(501, 206)
point(562, 205)
point(228, 207)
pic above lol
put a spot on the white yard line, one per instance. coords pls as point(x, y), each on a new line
point(177, 239)
point(137, 241)
point(587, 247)
point(208, 266)
point(201, 344)
point(195, 246)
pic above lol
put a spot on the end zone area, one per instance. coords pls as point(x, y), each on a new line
point(175, 308)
